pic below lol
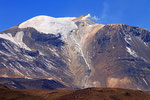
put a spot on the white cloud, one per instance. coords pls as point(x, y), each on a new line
point(95, 18)
point(87, 16)
point(104, 14)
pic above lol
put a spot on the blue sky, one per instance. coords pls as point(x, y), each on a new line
point(131, 12)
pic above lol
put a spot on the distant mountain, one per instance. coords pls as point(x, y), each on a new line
point(22, 83)
point(77, 53)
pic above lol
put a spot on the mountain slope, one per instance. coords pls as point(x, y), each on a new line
point(120, 55)
point(77, 53)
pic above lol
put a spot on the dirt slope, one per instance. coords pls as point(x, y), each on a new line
point(83, 94)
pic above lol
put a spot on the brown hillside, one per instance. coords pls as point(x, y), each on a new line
point(83, 94)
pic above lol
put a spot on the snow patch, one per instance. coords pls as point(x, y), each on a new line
point(49, 64)
point(17, 39)
point(145, 81)
point(28, 58)
point(13, 86)
point(127, 38)
point(54, 51)
point(5, 75)
point(131, 52)
point(47, 24)
point(27, 77)
point(4, 53)
point(50, 78)
point(144, 59)
point(4, 65)
point(146, 44)
point(9, 48)
point(16, 71)
point(12, 83)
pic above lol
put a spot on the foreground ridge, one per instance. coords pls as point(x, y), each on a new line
point(84, 94)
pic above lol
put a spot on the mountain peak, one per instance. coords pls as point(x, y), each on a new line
point(77, 52)
point(47, 24)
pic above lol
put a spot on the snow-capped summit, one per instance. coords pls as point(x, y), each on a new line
point(83, 54)
point(47, 24)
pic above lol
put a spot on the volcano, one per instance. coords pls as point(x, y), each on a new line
point(75, 52)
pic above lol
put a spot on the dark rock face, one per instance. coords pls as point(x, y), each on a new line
point(49, 39)
point(22, 83)
point(93, 55)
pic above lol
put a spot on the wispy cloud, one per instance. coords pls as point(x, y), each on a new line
point(104, 14)
point(95, 18)
point(105, 10)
